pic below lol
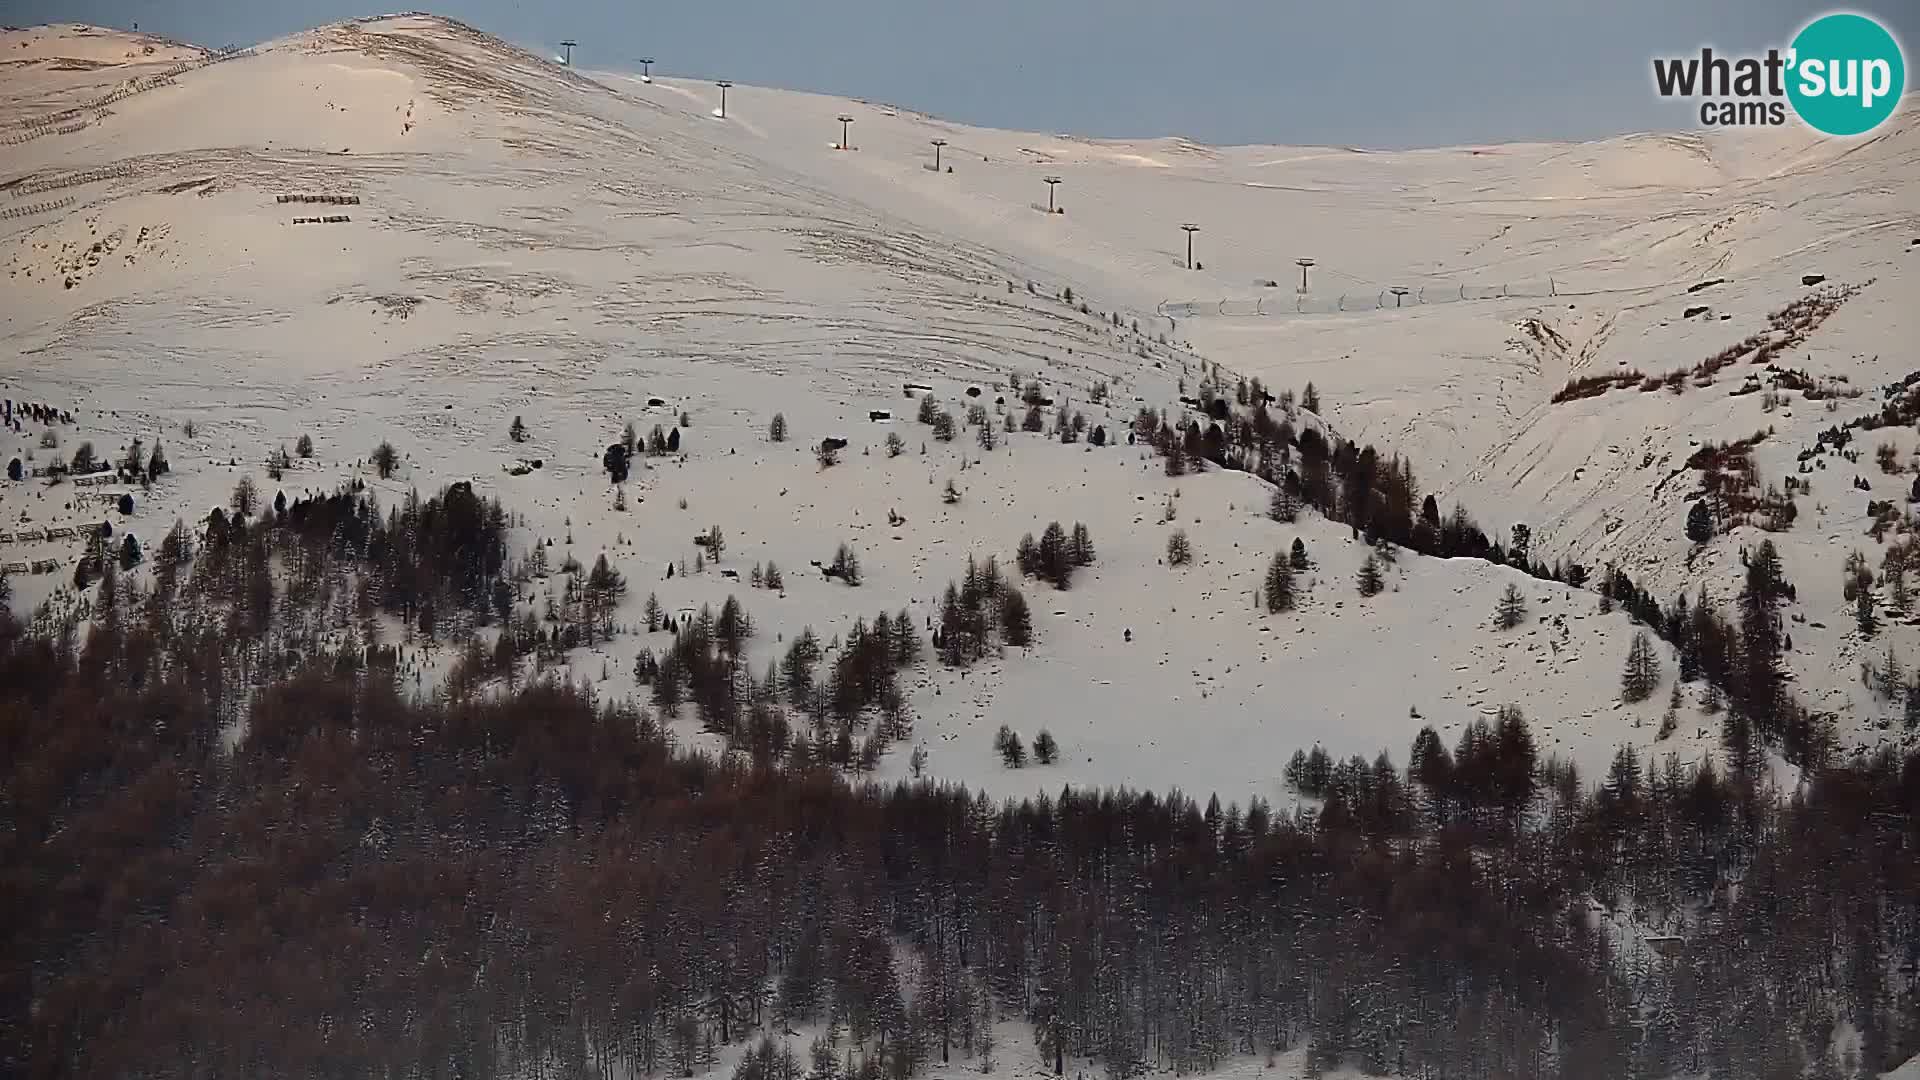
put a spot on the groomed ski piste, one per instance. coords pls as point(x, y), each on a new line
point(585, 250)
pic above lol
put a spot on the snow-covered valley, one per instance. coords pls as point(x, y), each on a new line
point(401, 230)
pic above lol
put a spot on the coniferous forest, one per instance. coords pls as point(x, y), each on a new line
point(236, 843)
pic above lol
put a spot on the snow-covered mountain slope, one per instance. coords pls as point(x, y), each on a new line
point(51, 70)
point(520, 239)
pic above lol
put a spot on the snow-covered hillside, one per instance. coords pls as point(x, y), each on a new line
point(516, 238)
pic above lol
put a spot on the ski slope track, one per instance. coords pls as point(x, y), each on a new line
point(516, 238)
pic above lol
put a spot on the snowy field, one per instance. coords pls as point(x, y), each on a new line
point(527, 240)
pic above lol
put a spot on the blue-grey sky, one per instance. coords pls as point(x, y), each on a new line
point(1384, 73)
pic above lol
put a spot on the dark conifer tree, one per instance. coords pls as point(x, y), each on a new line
point(905, 643)
point(1080, 545)
point(1016, 619)
point(1285, 506)
point(1027, 556)
point(1179, 548)
point(1518, 760)
point(1519, 552)
point(1278, 590)
point(1624, 777)
point(846, 565)
point(1511, 611)
point(733, 627)
point(1699, 523)
point(1758, 686)
point(1013, 752)
point(615, 462)
point(1370, 580)
point(1056, 556)
point(1045, 750)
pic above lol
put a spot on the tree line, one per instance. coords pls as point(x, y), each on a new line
point(372, 881)
point(1739, 658)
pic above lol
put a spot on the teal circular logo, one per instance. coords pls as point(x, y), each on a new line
point(1846, 74)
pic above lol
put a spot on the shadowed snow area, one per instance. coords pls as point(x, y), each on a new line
point(516, 238)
